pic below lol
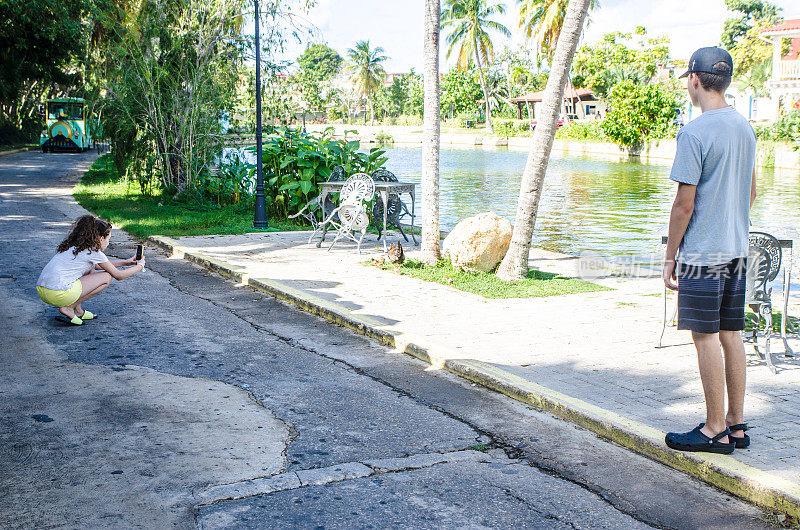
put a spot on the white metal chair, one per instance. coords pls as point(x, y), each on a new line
point(315, 207)
point(763, 264)
point(351, 214)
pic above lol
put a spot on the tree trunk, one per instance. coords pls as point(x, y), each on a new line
point(431, 251)
point(366, 103)
point(488, 117)
point(515, 264)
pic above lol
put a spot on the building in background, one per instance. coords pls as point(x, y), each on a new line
point(578, 103)
point(784, 84)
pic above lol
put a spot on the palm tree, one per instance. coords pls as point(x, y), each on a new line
point(541, 21)
point(515, 263)
point(431, 252)
point(469, 20)
point(367, 71)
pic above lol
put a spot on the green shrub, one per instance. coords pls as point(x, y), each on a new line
point(591, 130)
point(511, 127)
point(295, 163)
point(384, 138)
point(784, 129)
point(638, 113)
point(405, 119)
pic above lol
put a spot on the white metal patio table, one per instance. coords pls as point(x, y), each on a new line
point(384, 189)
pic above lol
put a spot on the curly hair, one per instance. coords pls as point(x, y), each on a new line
point(86, 234)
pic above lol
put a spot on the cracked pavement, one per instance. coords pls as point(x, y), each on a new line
point(191, 402)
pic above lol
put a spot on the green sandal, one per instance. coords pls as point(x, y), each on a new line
point(87, 315)
point(74, 322)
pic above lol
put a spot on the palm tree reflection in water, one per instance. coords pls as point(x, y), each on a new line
point(613, 208)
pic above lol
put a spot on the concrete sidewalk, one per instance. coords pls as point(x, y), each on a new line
point(589, 358)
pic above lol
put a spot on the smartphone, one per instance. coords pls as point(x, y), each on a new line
point(139, 252)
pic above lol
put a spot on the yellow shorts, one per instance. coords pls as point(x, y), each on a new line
point(60, 298)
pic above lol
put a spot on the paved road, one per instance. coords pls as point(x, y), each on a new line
point(192, 402)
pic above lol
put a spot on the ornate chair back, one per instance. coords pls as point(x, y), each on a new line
point(759, 264)
point(358, 188)
point(383, 175)
point(771, 246)
point(337, 175)
point(763, 264)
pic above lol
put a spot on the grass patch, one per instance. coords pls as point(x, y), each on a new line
point(750, 319)
point(103, 192)
point(488, 285)
point(18, 145)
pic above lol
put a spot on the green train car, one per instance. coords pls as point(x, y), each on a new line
point(68, 126)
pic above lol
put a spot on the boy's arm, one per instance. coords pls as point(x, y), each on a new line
point(753, 193)
point(682, 210)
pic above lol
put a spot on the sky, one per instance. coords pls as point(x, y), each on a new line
point(398, 25)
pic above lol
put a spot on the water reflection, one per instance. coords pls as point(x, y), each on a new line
point(613, 208)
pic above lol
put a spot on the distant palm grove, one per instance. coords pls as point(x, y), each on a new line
point(170, 81)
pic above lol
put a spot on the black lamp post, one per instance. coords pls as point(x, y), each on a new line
point(260, 219)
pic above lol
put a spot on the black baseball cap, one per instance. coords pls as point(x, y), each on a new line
point(704, 59)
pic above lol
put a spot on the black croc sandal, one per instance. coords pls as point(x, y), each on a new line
point(740, 442)
point(744, 441)
point(696, 441)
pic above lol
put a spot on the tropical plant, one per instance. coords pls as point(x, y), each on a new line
point(175, 75)
point(469, 22)
point(295, 163)
point(752, 12)
point(461, 92)
point(50, 49)
point(320, 62)
point(638, 113)
point(405, 95)
point(514, 266)
point(588, 130)
point(619, 57)
point(785, 129)
point(231, 184)
point(367, 71)
point(752, 56)
point(541, 20)
point(431, 253)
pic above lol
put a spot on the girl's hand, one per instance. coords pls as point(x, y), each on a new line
point(140, 262)
point(131, 261)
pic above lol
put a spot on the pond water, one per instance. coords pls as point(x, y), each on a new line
point(614, 208)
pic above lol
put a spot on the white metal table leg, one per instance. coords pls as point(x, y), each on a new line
point(787, 281)
point(385, 197)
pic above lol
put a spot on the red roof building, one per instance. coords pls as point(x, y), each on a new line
point(575, 102)
point(785, 81)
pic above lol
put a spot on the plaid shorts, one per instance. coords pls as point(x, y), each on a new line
point(711, 297)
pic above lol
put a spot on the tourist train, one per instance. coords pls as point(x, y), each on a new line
point(68, 126)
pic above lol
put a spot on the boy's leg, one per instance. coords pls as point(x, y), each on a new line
point(735, 376)
point(731, 324)
point(712, 375)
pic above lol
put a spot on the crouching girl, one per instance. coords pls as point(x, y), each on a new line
point(80, 270)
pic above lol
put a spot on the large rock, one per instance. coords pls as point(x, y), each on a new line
point(478, 243)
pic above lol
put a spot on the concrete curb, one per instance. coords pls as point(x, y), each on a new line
point(749, 483)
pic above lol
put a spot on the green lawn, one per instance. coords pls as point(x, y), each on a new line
point(488, 285)
point(750, 319)
point(104, 193)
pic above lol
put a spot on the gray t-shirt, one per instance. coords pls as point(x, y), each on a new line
point(717, 153)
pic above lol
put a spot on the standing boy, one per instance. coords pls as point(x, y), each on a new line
point(708, 230)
